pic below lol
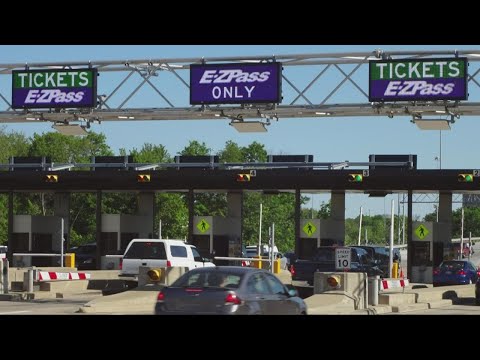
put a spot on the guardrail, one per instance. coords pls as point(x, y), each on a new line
point(240, 258)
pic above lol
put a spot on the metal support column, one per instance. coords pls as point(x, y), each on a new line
point(98, 212)
point(10, 227)
point(297, 221)
point(409, 234)
point(191, 203)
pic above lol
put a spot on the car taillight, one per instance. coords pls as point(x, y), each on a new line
point(292, 270)
point(232, 299)
point(436, 271)
point(461, 272)
point(120, 264)
point(161, 296)
point(169, 263)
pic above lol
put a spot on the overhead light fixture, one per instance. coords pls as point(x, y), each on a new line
point(218, 115)
point(440, 111)
point(67, 129)
point(249, 126)
point(322, 113)
point(32, 118)
point(127, 117)
point(432, 124)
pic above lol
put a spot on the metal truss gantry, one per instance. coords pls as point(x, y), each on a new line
point(161, 86)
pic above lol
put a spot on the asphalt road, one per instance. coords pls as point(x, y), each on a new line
point(72, 304)
point(44, 306)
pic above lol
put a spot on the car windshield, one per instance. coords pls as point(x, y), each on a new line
point(84, 249)
point(212, 278)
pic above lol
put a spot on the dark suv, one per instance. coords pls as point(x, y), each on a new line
point(85, 256)
point(382, 255)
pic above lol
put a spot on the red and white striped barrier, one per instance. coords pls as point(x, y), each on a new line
point(394, 283)
point(51, 275)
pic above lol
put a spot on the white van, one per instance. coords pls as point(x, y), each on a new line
point(160, 253)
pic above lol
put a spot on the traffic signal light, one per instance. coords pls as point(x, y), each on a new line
point(465, 177)
point(143, 178)
point(243, 177)
point(355, 177)
point(155, 274)
point(51, 178)
point(334, 281)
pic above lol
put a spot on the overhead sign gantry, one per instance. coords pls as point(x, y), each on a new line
point(238, 88)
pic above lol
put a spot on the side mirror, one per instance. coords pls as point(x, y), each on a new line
point(292, 291)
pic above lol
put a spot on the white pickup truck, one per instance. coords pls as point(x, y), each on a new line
point(160, 253)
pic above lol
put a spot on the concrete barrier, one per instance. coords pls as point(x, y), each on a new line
point(138, 300)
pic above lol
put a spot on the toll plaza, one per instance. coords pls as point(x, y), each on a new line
point(425, 240)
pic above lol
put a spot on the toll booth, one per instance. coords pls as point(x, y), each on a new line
point(36, 234)
point(219, 234)
point(319, 232)
point(429, 249)
point(309, 237)
point(119, 229)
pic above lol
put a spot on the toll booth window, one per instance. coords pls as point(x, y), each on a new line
point(421, 253)
point(178, 251)
point(196, 255)
point(146, 250)
point(324, 254)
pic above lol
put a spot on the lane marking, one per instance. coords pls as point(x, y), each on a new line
point(15, 312)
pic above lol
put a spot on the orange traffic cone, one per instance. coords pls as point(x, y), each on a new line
point(401, 273)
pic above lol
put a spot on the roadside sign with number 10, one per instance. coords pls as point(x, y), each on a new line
point(343, 258)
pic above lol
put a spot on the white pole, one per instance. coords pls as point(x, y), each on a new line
point(160, 228)
point(392, 225)
point(403, 220)
point(61, 243)
point(366, 236)
point(272, 245)
point(470, 248)
point(461, 240)
point(398, 215)
point(260, 233)
point(360, 225)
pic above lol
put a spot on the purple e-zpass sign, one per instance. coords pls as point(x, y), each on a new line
point(235, 83)
point(411, 80)
point(65, 88)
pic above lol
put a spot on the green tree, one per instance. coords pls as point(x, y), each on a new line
point(255, 152)
point(149, 153)
point(63, 149)
point(231, 153)
point(196, 148)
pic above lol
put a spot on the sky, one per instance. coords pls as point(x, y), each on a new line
point(328, 139)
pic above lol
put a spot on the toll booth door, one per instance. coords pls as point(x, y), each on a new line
point(421, 253)
point(19, 244)
point(307, 248)
point(202, 243)
point(220, 245)
point(125, 239)
point(108, 243)
point(437, 253)
point(42, 243)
